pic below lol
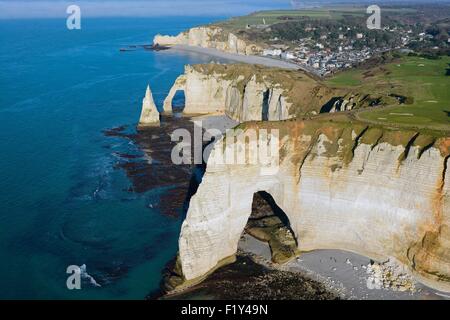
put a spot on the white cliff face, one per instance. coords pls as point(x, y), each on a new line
point(149, 114)
point(377, 198)
point(240, 98)
point(210, 37)
point(164, 40)
point(253, 100)
point(204, 93)
point(238, 46)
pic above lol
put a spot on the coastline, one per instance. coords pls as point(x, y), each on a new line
point(248, 279)
point(317, 275)
point(321, 274)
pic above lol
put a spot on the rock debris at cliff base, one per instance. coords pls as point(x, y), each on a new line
point(389, 275)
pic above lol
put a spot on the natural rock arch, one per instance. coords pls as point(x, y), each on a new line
point(219, 224)
point(179, 85)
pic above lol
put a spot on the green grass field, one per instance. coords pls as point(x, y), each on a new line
point(425, 80)
point(348, 78)
point(273, 16)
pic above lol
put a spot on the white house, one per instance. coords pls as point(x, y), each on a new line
point(272, 52)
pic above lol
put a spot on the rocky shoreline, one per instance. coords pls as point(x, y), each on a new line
point(154, 168)
point(247, 279)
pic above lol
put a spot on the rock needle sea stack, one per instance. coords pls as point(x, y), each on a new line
point(150, 114)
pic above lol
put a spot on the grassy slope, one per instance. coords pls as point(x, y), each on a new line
point(423, 79)
point(272, 17)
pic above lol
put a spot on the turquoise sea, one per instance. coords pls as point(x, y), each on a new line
point(62, 200)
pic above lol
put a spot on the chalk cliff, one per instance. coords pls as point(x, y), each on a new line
point(249, 92)
point(366, 189)
point(253, 93)
point(149, 113)
point(210, 37)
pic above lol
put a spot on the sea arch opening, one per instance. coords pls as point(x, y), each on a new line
point(178, 102)
point(176, 96)
point(268, 223)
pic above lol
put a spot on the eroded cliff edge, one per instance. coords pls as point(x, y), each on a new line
point(343, 185)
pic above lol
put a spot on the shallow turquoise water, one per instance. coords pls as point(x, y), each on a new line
point(62, 201)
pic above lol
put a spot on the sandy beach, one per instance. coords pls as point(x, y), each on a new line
point(265, 61)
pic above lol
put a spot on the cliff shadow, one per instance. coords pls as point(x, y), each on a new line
point(265, 106)
point(326, 108)
point(198, 171)
point(269, 223)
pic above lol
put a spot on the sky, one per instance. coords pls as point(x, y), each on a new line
point(106, 8)
point(147, 8)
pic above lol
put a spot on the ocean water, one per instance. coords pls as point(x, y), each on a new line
point(62, 201)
